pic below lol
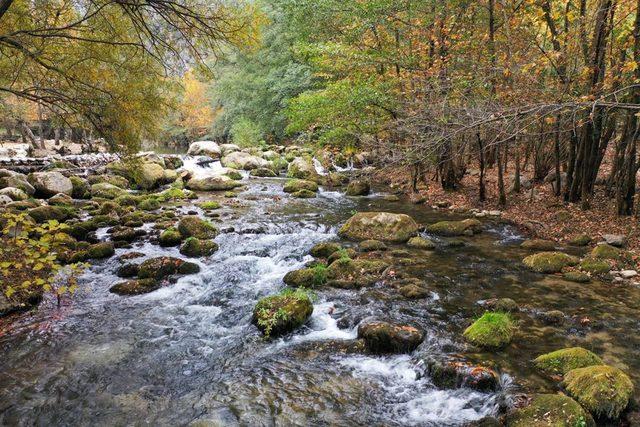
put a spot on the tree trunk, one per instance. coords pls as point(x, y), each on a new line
point(502, 197)
point(482, 193)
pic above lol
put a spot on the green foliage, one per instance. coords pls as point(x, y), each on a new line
point(29, 262)
point(246, 133)
point(319, 274)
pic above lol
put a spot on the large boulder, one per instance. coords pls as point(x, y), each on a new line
point(81, 188)
point(135, 287)
point(456, 374)
point(279, 314)
point(602, 390)
point(455, 228)
point(163, 267)
point(295, 185)
point(194, 247)
point(149, 176)
point(358, 187)
point(106, 191)
point(229, 148)
point(212, 183)
point(14, 194)
point(244, 161)
point(561, 361)
point(205, 148)
point(19, 181)
point(549, 262)
point(194, 226)
point(48, 184)
point(384, 337)
point(492, 330)
point(349, 273)
point(379, 226)
point(303, 168)
point(546, 410)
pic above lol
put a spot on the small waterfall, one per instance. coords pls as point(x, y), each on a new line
point(319, 168)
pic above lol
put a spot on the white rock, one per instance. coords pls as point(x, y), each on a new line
point(205, 148)
point(628, 274)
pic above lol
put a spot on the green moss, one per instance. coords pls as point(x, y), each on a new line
point(209, 205)
point(47, 213)
point(608, 252)
point(135, 287)
point(101, 250)
point(560, 362)
point(349, 273)
point(193, 226)
point(81, 188)
point(170, 237)
point(324, 249)
point(421, 243)
point(304, 194)
point(551, 410)
point(194, 247)
point(279, 314)
point(455, 228)
point(595, 266)
point(149, 204)
point(602, 390)
point(127, 200)
point(493, 330)
point(580, 240)
point(295, 185)
point(174, 193)
point(371, 246)
point(576, 276)
point(539, 245)
point(549, 262)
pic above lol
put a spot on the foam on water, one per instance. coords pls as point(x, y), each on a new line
point(202, 167)
point(324, 327)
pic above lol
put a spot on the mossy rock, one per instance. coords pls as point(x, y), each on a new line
point(304, 194)
point(193, 226)
point(455, 228)
point(581, 240)
point(504, 305)
point(550, 410)
point(162, 267)
point(233, 174)
point(81, 188)
point(549, 262)
point(382, 226)
point(280, 314)
point(421, 243)
point(576, 276)
point(384, 337)
point(492, 330)
point(560, 362)
point(109, 208)
point(349, 273)
point(324, 249)
point(608, 252)
point(263, 173)
point(106, 191)
point(128, 270)
point(118, 181)
point(194, 247)
point(47, 213)
point(135, 287)
point(210, 205)
point(371, 246)
point(456, 374)
point(358, 187)
point(127, 200)
point(149, 204)
point(101, 250)
point(170, 237)
point(539, 245)
point(595, 266)
point(125, 234)
point(602, 390)
point(413, 291)
point(339, 254)
point(310, 277)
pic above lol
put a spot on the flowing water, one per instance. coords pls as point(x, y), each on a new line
point(188, 352)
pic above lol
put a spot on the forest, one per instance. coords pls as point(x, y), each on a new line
point(205, 204)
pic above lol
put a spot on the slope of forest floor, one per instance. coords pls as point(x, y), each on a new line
point(539, 214)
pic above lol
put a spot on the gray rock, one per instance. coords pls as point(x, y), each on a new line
point(13, 193)
point(617, 240)
point(49, 184)
point(205, 148)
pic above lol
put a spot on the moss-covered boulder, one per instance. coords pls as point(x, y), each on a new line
point(561, 361)
point(47, 213)
point(492, 330)
point(194, 226)
point(358, 187)
point(81, 188)
point(602, 390)
point(295, 185)
point(17, 180)
point(350, 273)
point(135, 287)
point(105, 190)
point(263, 173)
point(162, 267)
point(149, 204)
point(342, 253)
point(128, 270)
point(170, 237)
point(303, 168)
point(413, 291)
point(306, 277)
point(117, 180)
point(48, 184)
point(101, 250)
point(210, 205)
point(280, 314)
point(504, 305)
point(384, 337)
point(549, 262)
point(456, 374)
point(580, 240)
point(467, 227)
point(212, 183)
point(371, 246)
point(550, 410)
point(576, 277)
point(383, 226)
point(539, 245)
point(124, 234)
point(595, 266)
point(608, 252)
point(324, 249)
point(304, 194)
point(149, 175)
point(421, 243)
point(194, 247)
